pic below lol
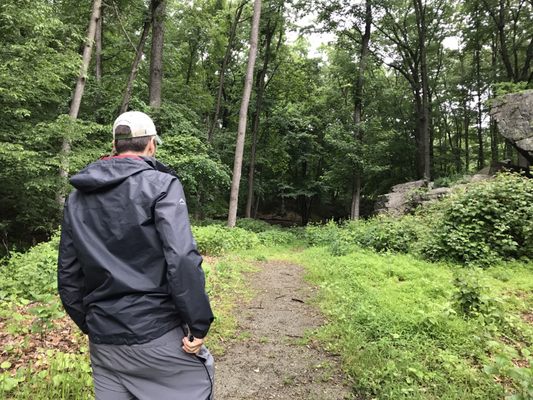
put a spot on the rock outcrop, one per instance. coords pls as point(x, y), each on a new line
point(514, 114)
point(405, 197)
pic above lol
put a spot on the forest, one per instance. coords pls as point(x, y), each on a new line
point(347, 98)
point(287, 121)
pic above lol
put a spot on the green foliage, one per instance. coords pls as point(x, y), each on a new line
point(254, 225)
point(31, 275)
point(518, 375)
point(276, 237)
point(203, 175)
point(394, 322)
point(56, 376)
point(216, 240)
point(487, 222)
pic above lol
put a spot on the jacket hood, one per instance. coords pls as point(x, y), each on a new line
point(109, 172)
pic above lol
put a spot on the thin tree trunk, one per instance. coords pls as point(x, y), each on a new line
point(424, 78)
point(481, 152)
point(222, 71)
point(466, 126)
point(156, 55)
point(98, 50)
point(126, 97)
point(243, 114)
point(358, 107)
point(78, 94)
point(260, 90)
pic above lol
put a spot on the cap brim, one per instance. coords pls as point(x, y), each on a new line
point(158, 140)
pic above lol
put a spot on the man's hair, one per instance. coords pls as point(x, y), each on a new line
point(136, 144)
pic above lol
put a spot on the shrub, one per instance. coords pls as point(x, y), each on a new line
point(486, 222)
point(254, 225)
point(385, 233)
point(215, 239)
point(276, 237)
point(32, 274)
point(321, 235)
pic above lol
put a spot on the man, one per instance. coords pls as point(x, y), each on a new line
point(130, 276)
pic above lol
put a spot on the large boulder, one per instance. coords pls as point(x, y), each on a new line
point(514, 114)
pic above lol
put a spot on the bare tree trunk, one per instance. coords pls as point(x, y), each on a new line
point(78, 94)
point(260, 91)
point(98, 49)
point(420, 10)
point(358, 106)
point(224, 66)
point(126, 97)
point(156, 55)
point(466, 130)
point(243, 114)
point(481, 152)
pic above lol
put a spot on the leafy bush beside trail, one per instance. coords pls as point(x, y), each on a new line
point(481, 224)
point(484, 223)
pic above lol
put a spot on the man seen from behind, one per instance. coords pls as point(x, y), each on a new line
point(130, 276)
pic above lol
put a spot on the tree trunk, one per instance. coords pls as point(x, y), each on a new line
point(222, 70)
point(260, 90)
point(358, 106)
point(356, 197)
point(466, 126)
point(243, 114)
point(156, 55)
point(481, 152)
point(78, 94)
point(98, 50)
point(126, 97)
point(424, 78)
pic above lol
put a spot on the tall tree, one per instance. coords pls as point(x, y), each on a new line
point(126, 97)
point(158, 8)
point(272, 23)
point(408, 49)
point(78, 92)
point(223, 67)
point(358, 105)
point(243, 114)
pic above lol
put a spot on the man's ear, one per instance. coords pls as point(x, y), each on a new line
point(113, 148)
point(151, 147)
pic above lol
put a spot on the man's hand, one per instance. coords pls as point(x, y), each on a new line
point(192, 347)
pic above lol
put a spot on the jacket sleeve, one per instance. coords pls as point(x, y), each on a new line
point(70, 278)
point(185, 276)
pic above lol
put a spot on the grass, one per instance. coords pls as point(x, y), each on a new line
point(397, 322)
point(44, 356)
point(394, 320)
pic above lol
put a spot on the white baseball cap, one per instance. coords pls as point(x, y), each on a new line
point(134, 124)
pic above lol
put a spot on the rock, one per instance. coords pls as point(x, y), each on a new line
point(514, 114)
point(400, 200)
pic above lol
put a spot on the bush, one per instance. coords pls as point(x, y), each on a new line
point(484, 223)
point(276, 237)
point(254, 225)
point(215, 239)
point(32, 274)
point(385, 233)
point(321, 235)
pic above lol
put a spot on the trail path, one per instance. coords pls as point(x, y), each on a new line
point(271, 362)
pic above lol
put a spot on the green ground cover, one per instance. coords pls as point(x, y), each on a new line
point(44, 356)
point(410, 329)
point(435, 305)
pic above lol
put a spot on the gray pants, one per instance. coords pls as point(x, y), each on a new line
point(159, 369)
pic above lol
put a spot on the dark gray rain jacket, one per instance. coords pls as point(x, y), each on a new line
point(128, 268)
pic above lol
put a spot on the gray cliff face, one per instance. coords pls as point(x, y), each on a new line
point(514, 114)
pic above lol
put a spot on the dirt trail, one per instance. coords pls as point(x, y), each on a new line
point(271, 362)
